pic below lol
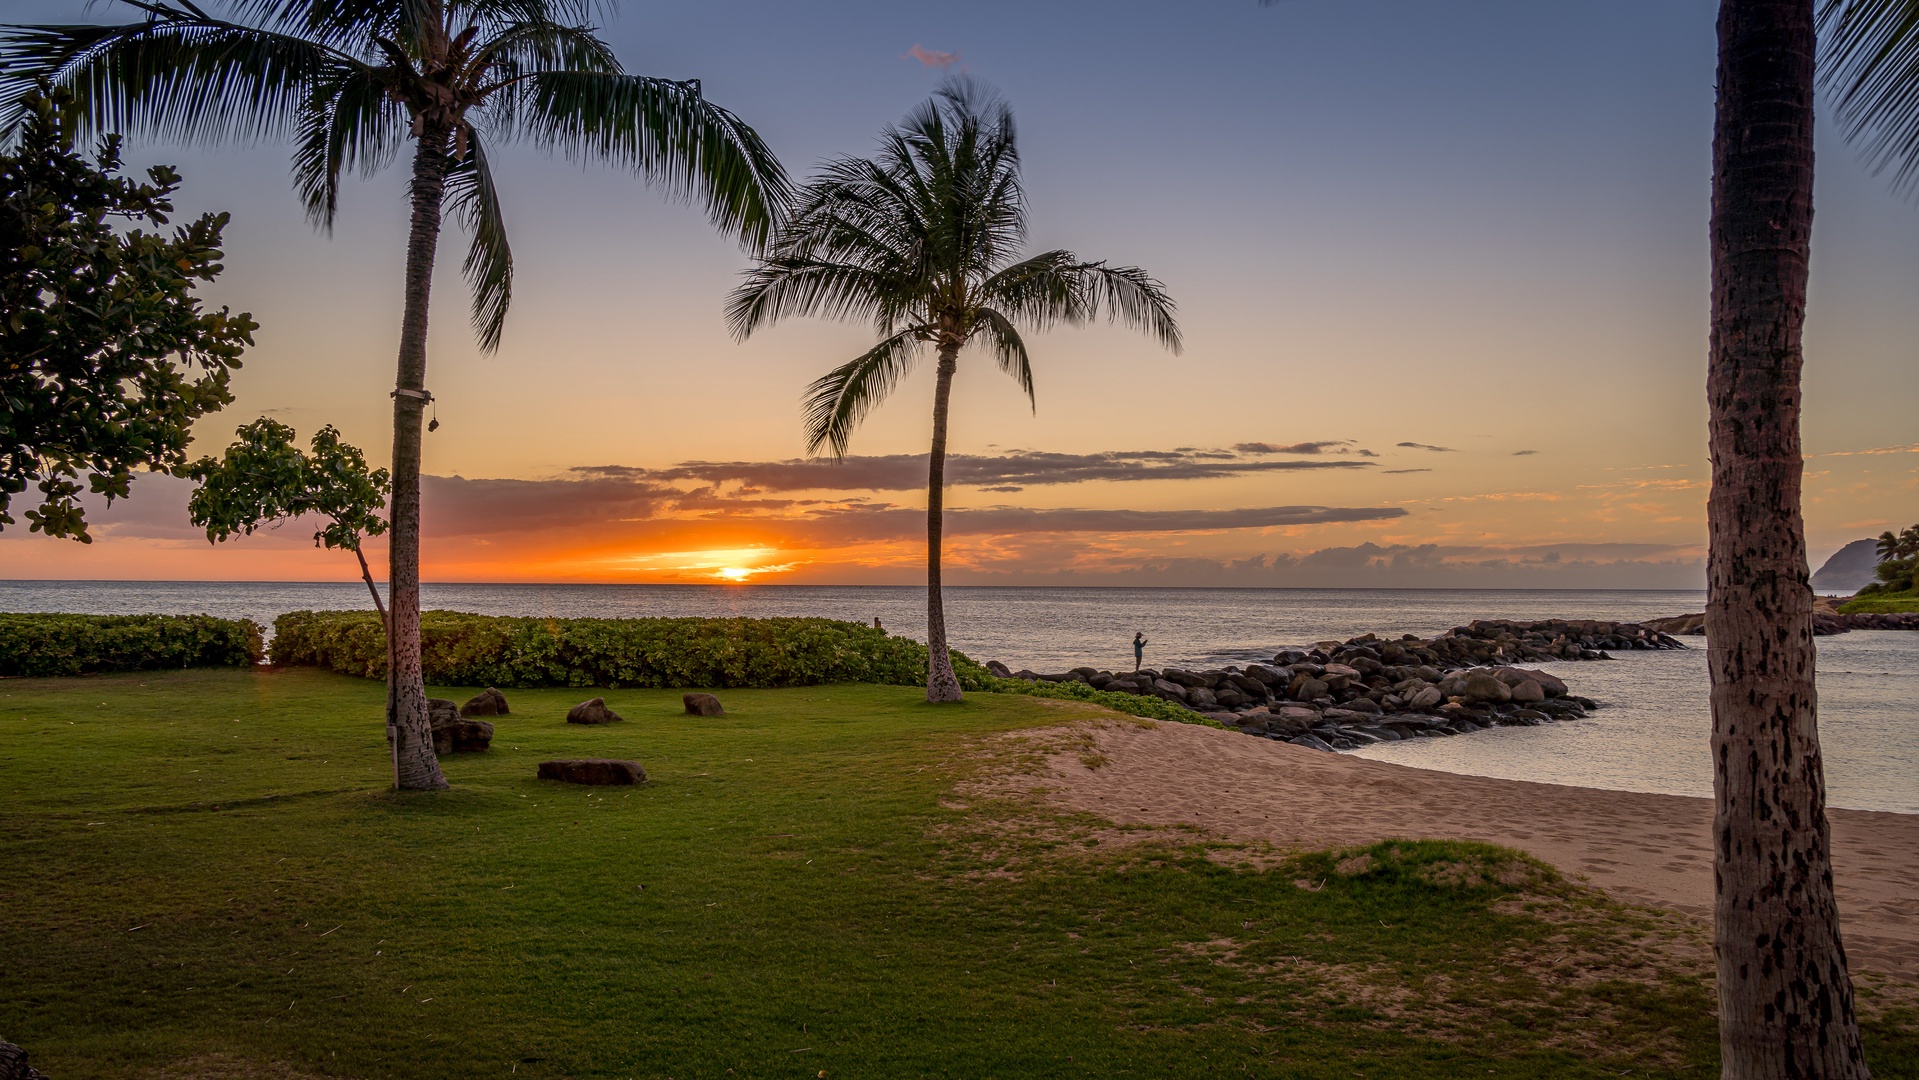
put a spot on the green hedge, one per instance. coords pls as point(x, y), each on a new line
point(45, 644)
point(459, 649)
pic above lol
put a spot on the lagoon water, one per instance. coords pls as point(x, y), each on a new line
point(1650, 735)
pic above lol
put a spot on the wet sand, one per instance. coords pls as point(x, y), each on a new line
point(1643, 849)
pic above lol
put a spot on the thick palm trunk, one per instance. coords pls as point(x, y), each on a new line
point(941, 683)
point(1785, 998)
point(415, 766)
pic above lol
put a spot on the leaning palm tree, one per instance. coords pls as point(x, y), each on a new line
point(923, 241)
point(350, 81)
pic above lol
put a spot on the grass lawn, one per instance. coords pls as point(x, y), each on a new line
point(1881, 604)
point(204, 876)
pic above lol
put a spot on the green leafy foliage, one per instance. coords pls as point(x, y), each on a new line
point(491, 650)
point(100, 330)
point(1131, 704)
point(40, 645)
point(263, 479)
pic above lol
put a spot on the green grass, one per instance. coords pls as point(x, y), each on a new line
point(1881, 604)
point(203, 873)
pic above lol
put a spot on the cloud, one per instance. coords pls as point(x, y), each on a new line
point(1337, 446)
point(990, 472)
point(1911, 448)
point(1401, 472)
point(1428, 446)
point(932, 58)
point(1524, 453)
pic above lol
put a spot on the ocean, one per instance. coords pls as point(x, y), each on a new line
point(1650, 735)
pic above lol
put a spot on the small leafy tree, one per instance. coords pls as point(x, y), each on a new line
point(1898, 569)
point(100, 330)
point(265, 480)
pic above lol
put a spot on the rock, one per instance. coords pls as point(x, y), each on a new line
point(1308, 689)
point(461, 735)
point(1480, 686)
point(13, 1064)
point(441, 711)
point(1527, 691)
point(1201, 698)
point(598, 772)
point(1428, 698)
point(1230, 698)
point(1312, 742)
point(1084, 674)
point(1188, 679)
point(1170, 690)
point(488, 702)
point(592, 711)
point(702, 705)
point(998, 669)
point(1026, 674)
point(1341, 669)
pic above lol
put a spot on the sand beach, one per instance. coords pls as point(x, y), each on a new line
point(1641, 848)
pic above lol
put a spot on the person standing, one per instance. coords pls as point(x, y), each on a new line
point(1139, 649)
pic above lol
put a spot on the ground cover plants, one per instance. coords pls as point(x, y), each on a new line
point(209, 876)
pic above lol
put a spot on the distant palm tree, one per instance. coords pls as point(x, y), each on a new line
point(922, 241)
point(1890, 546)
point(351, 81)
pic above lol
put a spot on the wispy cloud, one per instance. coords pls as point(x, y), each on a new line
point(1401, 472)
point(1428, 446)
point(1524, 453)
point(988, 472)
point(932, 58)
point(1323, 446)
point(1910, 448)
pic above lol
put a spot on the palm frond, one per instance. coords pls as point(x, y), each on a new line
point(1871, 57)
point(1010, 350)
point(839, 400)
point(784, 286)
point(1055, 287)
point(178, 76)
point(349, 123)
point(518, 49)
point(472, 198)
point(663, 130)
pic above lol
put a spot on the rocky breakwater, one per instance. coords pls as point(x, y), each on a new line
point(1344, 695)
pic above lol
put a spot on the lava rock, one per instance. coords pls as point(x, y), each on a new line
point(703, 705)
point(596, 772)
point(591, 711)
point(488, 702)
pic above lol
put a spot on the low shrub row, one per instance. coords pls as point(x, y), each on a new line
point(458, 649)
point(33, 644)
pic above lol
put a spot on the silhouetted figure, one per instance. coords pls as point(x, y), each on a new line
point(876, 623)
point(1139, 650)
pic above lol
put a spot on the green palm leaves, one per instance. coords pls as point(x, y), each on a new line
point(923, 240)
point(1871, 57)
point(349, 81)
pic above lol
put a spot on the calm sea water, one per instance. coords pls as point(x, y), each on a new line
point(1650, 736)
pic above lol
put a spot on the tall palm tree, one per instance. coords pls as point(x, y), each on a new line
point(350, 81)
point(1888, 546)
point(1785, 996)
point(922, 240)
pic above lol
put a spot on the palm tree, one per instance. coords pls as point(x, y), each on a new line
point(1889, 546)
point(1785, 997)
point(922, 241)
point(351, 81)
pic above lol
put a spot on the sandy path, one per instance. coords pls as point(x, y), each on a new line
point(1649, 849)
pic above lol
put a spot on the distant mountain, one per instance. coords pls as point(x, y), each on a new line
point(1849, 569)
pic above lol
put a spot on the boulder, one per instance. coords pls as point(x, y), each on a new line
point(461, 735)
point(1528, 691)
point(598, 772)
point(441, 711)
point(1427, 698)
point(1170, 690)
point(1311, 742)
point(591, 711)
point(1480, 686)
point(999, 669)
point(488, 702)
point(1308, 689)
point(13, 1064)
point(703, 705)
point(1201, 698)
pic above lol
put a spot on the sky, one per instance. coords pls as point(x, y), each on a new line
point(1441, 271)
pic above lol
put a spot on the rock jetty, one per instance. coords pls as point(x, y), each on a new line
point(1344, 695)
point(1824, 623)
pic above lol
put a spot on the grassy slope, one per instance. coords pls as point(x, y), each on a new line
point(204, 863)
point(1881, 604)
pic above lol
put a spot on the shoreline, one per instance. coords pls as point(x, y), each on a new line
point(1641, 848)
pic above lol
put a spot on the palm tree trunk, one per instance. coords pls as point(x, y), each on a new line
point(415, 766)
point(941, 683)
point(1785, 998)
